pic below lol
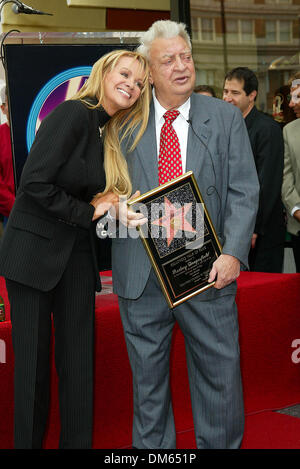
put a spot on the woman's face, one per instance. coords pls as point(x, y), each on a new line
point(122, 85)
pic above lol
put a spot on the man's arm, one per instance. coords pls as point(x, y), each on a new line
point(241, 205)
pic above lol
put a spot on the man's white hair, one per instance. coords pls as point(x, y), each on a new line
point(162, 29)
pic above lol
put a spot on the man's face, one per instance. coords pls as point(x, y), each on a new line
point(172, 71)
point(235, 94)
point(295, 98)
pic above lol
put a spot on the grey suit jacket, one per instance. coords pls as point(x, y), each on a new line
point(291, 173)
point(220, 155)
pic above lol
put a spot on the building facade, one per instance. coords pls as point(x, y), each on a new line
point(260, 34)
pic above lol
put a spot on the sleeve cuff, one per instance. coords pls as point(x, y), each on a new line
point(297, 207)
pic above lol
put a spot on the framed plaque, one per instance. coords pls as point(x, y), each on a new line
point(179, 237)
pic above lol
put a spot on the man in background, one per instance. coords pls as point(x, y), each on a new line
point(7, 185)
point(206, 90)
point(267, 246)
point(291, 173)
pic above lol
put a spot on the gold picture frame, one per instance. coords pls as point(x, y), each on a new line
point(179, 237)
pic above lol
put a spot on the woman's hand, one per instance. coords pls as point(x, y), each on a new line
point(127, 216)
point(102, 203)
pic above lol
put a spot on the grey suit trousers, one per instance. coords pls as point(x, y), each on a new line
point(212, 350)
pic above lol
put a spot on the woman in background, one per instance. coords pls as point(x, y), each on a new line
point(48, 252)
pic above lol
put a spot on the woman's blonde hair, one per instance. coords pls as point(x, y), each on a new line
point(123, 123)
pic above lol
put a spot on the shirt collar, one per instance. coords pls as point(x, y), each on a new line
point(184, 109)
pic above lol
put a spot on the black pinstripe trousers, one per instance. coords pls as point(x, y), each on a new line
point(72, 303)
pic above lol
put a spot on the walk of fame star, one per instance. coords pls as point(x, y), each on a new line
point(174, 220)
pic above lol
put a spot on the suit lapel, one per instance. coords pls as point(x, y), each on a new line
point(198, 136)
point(198, 139)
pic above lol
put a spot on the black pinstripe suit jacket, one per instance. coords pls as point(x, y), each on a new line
point(63, 171)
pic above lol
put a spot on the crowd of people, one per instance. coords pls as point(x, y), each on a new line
point(277, 172)
point(245, 168)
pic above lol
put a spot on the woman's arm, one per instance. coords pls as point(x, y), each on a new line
point(57, 138)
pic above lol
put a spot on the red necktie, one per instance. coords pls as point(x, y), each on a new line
point(169, 162)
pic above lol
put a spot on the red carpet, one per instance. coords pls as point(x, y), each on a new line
point(267, 430)
point(269, 322)
point(270, 430)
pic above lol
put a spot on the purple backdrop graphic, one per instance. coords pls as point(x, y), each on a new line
point(58, 95)
point(31, 71)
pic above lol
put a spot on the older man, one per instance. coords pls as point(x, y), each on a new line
point(213, 144)
point(291, 173)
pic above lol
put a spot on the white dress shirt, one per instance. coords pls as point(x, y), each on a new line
point(180, 126)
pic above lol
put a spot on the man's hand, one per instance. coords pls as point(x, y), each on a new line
point(226, 269)
point(297, 215)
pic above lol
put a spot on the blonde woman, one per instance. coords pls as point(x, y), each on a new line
point(48, 253)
